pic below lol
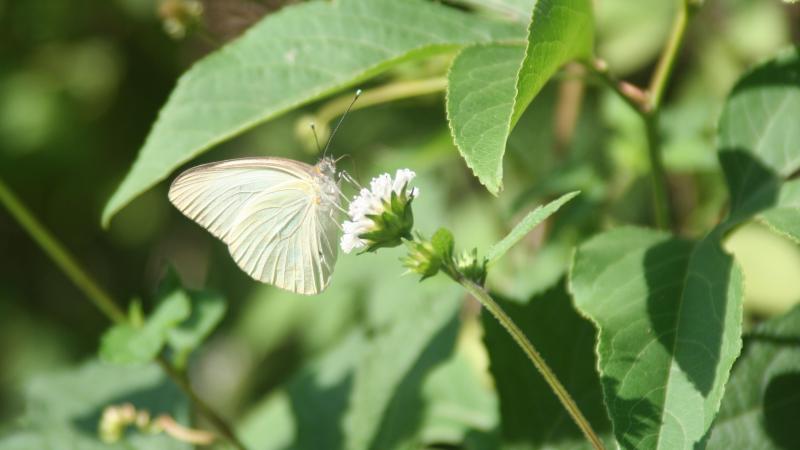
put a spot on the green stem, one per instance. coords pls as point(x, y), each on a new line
point(658, 174)
point(69, 265)
point(530, 351)
point(666, 63)
point(383, 94)
point(63, 259)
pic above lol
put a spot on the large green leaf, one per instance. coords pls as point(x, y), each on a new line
point(532, 416)
point(762, 399)
point(669, 313)
point(290, 58)
point(491, 85)
point(63, 409)
point(759, 140)
point(385, 404)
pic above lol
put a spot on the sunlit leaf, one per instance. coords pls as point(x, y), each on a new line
point(290, 58)
point(491, 86)
point(669, 314)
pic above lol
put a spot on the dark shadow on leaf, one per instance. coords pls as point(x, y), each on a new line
point(687, 303)
point(781, 408)
point(641, 415)
point(319, 411)
point(402, 416)
point(753, 187)
point(531, 413)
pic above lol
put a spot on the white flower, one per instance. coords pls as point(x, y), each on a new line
point(373, 202)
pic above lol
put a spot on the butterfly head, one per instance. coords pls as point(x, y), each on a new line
point(326, 167)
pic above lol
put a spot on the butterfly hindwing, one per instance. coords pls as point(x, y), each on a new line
point(269, 211)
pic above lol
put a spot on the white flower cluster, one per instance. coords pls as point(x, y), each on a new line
point(371, 202)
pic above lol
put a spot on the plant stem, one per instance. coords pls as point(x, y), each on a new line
point(63, 259)
point(530, 351)
point(69, 265)
point(383, 94)
point(666, 63)
point(658, 175)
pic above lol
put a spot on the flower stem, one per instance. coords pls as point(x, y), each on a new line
point(69, 265)
point(530, 351)
point(666, 63)
point(383, 94)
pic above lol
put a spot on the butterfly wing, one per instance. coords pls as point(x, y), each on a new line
point(270, 213)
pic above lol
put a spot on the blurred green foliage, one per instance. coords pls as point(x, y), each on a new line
point(82, 81)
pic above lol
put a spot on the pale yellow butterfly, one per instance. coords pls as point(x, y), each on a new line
point(278, 217)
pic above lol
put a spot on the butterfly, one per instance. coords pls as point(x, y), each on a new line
point(278, 217)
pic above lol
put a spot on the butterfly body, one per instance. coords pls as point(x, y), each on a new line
point(278, 217)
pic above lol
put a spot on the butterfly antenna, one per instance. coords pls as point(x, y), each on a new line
point(338, 124)
point(316, 139)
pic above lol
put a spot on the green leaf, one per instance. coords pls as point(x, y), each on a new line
point(290, 58)
point(784, 217)
point(208, 309)
point(527, 224)
point(532, 416)
point(385, 405)
point(306, 414)
point(63, 409)
point(669, 314)
point(760, 406)
point(480, 100)
point(517, 10)
point(759, 140)
point(126, 344)
point(490, 86)
point(442, 242)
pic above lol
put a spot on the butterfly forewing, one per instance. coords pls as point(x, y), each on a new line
point(272, 212)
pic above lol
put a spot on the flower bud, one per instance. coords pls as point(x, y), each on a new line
point(472, 267)
point(422, 258)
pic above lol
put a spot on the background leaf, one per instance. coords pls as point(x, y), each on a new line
point(490, 86)
point(290, 58)
point(127, 344)
point(761, 401)
point(532, 417)
point(669, 316)
point(759, 141)
point(385, 403)
point(63, 409)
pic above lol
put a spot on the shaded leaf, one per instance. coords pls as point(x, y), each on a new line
point(528, 223)
point(490, 86)
point(208, 309)
point(760, 406)
point(386, 402)
point(669, 313)
point(63, 409)
point(532, 416)
point(759, 140)
point(290, 58)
